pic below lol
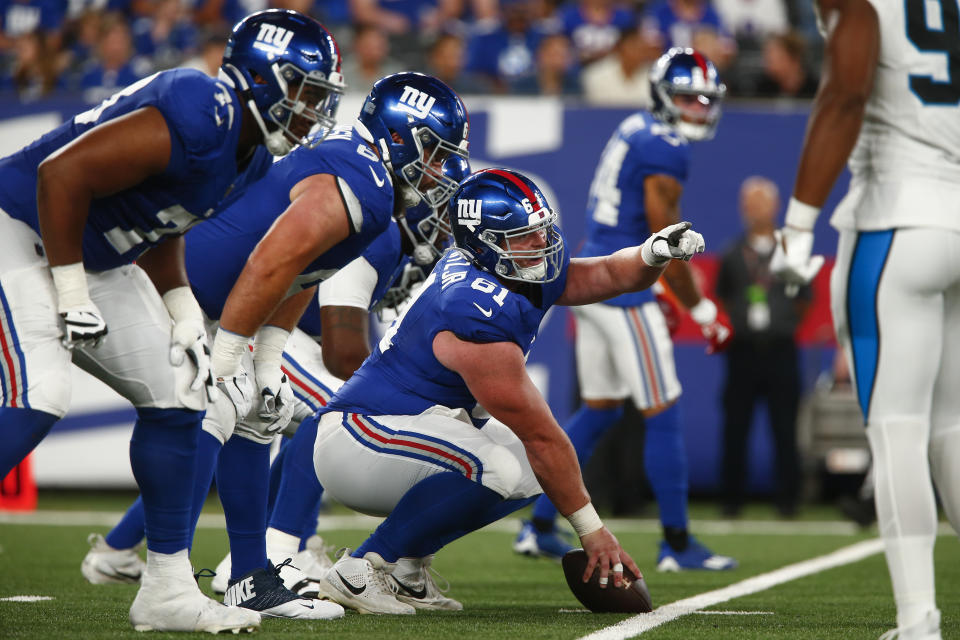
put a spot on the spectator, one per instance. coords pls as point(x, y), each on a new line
point(753, 20)
point(395, 17)
point(623, 77)
point(34, 72)
point(369, 59)
point(785, 68)
point(594, 27)
point(226, 13)
point(694, 24)
point(762, 360)
point(504, 51)
point(445, 60)
point(211, 54)
point(556, 73)
point(115, 67)
point(167, 36)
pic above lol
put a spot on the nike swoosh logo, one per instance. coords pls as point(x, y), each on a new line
point(354, 590)
point(379, 182)
point(486, 312)
point(419, 594)
point(306, 605)
point(122, 574)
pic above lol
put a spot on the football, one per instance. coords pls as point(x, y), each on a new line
point(631, 597)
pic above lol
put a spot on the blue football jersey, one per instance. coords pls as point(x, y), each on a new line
point(385, 254)
point(217, 250)
point(641, 146)
point(203, 116)
point(402, 376)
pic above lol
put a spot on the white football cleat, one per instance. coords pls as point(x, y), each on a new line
point(416, 586)
point(363, 584)
point(262, 590)
point(173, 602)
point(105, 565)
point(221, 581)
point(926, 629)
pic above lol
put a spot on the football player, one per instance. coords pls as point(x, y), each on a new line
point(122, 182)
point(319, 208)
point(405, 435)
point(623, 345)
point(888, 101)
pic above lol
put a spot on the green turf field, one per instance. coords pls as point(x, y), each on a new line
point(504, 596)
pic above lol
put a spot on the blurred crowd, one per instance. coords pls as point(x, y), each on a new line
point(598, 50)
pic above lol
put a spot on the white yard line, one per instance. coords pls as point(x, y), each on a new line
point(632, 627)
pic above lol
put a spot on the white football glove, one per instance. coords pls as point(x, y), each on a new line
point(791, 261)
point(82, 323)
point(239, 389)
point(188, 340)
point(276, 400)
point(676, 242)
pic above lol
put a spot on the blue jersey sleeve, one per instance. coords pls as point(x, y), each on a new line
point(663, 153)
point(200, 113)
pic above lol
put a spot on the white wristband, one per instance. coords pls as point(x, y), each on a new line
point(182, 306)
point(704, 312)
point(268, 346)
point(228, 348)
point(585, 520)
point(801, 216)
point(71, 283)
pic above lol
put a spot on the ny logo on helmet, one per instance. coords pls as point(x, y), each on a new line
point(416, 102)
point(468, 213)
point(273, 39)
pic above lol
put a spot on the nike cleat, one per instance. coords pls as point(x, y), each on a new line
point(262, 590)
point(416, 586)
point(105, 565)
point(695, 556)
point(530, 542)
point(363, 584)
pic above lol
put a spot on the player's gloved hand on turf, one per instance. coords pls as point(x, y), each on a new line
point(791, 261)
point(604, 551)
point(275, 405)
point(714, 325)
point(82, 323)
point(676, 242)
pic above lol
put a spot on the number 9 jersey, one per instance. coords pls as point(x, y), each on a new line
point(906, 164)
point(403, 377)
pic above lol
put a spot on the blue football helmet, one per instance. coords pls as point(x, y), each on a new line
point(503, 223)
point(687, 93)
point(428, 228)
point(286, 67)
point(417, 122)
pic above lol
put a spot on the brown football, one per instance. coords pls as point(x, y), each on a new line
point(631, 597)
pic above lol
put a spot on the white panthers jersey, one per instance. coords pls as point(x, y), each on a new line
point(906, 164)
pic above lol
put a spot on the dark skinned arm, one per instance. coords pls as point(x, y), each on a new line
point(288, 313)
point(165, 265)
point(850, 59)
point(345, 339)
point(662, 203)
point(108, 158)
point(315, 221)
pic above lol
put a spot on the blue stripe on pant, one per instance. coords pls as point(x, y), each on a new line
point(863, 284)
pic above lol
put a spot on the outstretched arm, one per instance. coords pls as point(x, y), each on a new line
point(496, 376)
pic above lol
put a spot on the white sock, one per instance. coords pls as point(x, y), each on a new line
point(280, 545)
point(169, 565)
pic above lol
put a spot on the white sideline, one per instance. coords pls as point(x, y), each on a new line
point(632, 627)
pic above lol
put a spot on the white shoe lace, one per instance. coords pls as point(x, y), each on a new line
point(431, 583)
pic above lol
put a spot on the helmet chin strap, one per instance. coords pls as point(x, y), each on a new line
point(422, 254)
point(275, 141)
point(534, 272)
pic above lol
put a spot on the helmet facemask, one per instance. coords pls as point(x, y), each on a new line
point(519, 260)
point(310, 103)
point(425, 175)
point(694, 113)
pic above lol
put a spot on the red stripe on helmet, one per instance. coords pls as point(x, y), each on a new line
point(531, 196)
point(702, 63)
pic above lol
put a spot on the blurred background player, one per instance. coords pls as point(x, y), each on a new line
point(623, 345)
point(152, 161)
point(762, 359)
point(888, 100)
point(407, 435)
point(325, 204)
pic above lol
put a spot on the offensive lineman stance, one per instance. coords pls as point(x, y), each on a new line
point(122, 182)
point(623, 345)
point(405, 436)
point(889, 92)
